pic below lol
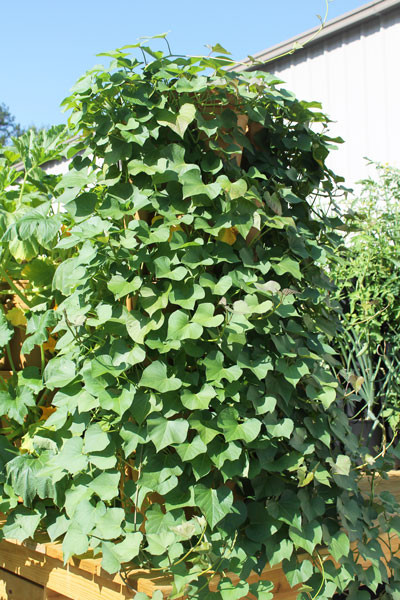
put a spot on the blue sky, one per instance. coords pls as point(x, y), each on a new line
point(45, 45)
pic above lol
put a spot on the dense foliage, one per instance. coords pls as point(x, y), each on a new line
point(174, 406)
point(366, 271)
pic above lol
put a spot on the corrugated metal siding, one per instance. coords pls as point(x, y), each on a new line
point(355, 75)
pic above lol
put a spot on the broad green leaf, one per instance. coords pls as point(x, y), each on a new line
point(198, 400)
point(216, 371)
point(155, 377)
point(105, 485)
point(37, 326)
point(6, 331)
point(214, 504)
point(71, 457)
point(185, 294)
point(164, 269)
point(75, 542)
point(30, 378)
point(233, 591)
point(39, 224)
point(69, 274)
point(120, 287)
point(193, 185)
point(59, 372)
point(21, 524)
point(188, 451)
point(108, 525)
point(179, 122)
point(179, 327)
point(308, 537)
point(116, 554)
point(339, 546)
point(158, 544)
point(233, 429)
point(96, 439)
point(16, 402)
point(204, 316)
point(279, 551)
point(288, 265)
point(163, 432)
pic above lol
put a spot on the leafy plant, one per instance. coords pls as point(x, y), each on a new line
point(367, 274)
point(184, 417)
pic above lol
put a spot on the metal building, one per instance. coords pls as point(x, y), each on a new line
point(352, 68)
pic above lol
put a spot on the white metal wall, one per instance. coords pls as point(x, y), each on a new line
point(356, 76)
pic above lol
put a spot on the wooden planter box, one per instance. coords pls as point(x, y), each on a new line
point(35, 571)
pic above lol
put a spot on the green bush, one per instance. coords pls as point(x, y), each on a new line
point(367, 273)
point(182, 415)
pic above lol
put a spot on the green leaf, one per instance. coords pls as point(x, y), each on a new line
point(233, 591)
point(37, 326)
point(198, 400)
point(288, 265)
point(96, 439)
point(120, 287)
point(204, 316)
point(247, 431)
point(39, 224)
point(82, 206)
point(185, 294)
point(21, 524)
point(308, 537)
point(164, 269)
point(163, 432)
point(179, 327)
point(116, 554)
point(193, 185)
point(75, 542)
point(188, 451)
point(214, 504)
point(71, 457)
point(6, 331)
point(279, 551)
point(158, 544)
point(155, 377)
point(339, 546)
point(59, 372)
point(30, 378)
point(108, 525)
point(16, 402)
point(179, 122)
point(69, 274)
point(106, 485)
point(216, 371)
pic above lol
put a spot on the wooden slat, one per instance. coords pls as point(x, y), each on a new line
point(13, 587)
point(49, 572)
point(51, 595)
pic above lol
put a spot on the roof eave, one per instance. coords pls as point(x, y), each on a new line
point(341, 23)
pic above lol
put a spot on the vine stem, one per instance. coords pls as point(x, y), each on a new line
point(42, 359)
point(10, 358)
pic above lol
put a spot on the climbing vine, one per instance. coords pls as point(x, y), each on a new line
point(172, 405)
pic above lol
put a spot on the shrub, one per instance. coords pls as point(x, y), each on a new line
point(367, 275)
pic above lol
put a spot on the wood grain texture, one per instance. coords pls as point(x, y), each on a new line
point(13, 587)
point(66, 580)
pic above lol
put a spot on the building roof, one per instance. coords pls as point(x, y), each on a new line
point(339, 24)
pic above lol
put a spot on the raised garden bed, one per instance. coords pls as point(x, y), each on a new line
point(36, 570)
